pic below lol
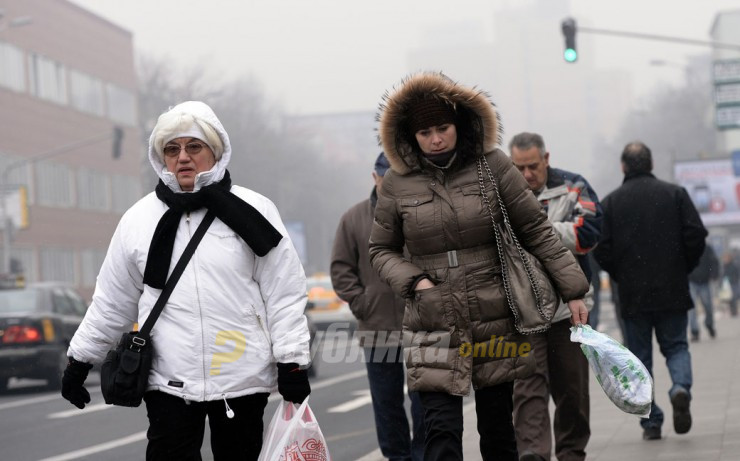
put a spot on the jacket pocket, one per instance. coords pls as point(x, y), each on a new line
point(472, 200)
point(426, 310)
point(359, 306)
point(490, 295)
point(417, 213)
point(260, 323)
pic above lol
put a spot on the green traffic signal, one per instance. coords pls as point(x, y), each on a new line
point(568, 26)
point(570, 55)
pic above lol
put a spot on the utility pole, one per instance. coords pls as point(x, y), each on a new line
point(116, 135)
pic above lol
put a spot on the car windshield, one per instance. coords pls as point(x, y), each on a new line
point(18, 300)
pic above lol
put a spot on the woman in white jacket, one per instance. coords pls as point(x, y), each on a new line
point(235, 313)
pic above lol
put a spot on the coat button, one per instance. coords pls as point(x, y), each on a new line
point(433, 184)
point(416, 202)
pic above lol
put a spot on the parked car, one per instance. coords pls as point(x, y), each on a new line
point(326, 307)
point(36, 324)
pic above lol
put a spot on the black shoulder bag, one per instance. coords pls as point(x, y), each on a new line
point(125, 371)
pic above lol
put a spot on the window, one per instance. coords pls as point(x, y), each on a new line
point(125, 192)
point(61, 303)
point(48, 79)
point(58, 264)
point(91, 260)
point(55, 185)
point(93, 190)
point(86, 93)
point(121, 104)
point(12, 68)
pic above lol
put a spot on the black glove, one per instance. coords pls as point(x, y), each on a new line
point(293, 382)
point(73, 381)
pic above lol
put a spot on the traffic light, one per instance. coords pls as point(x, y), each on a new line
point(569, 32)
point(117, 140)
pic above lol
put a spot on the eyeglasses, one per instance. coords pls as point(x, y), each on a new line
point(191, 148)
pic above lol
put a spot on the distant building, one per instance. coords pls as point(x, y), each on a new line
point(347, 142)
point(67, 77)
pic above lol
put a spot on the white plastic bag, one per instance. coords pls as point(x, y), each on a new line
point(620, 373)
point(294, 435)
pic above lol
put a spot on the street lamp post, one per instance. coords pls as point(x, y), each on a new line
point(18, 21)
point(116, 135)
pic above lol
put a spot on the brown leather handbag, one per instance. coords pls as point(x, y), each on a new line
point(530, 294)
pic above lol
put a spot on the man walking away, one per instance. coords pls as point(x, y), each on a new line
point(379, 315)
point(562, 370)
point(652, 238)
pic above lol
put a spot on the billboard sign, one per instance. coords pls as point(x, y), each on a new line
point(714, 188)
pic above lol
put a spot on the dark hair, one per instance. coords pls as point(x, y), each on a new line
point(636, 158)
point(526, 141)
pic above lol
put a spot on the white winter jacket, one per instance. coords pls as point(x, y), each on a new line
point(232, 314)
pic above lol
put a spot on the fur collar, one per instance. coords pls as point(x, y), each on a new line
point(394, 107)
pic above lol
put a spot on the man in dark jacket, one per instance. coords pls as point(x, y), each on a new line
point(379, 314)
point(652, 238)
point(562, 370)
point(699, 282)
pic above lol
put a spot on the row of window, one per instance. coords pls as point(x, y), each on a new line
point(52, 81)
point(60, 185)
point(77, 267)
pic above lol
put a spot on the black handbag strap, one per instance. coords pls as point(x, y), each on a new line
point(169, 287)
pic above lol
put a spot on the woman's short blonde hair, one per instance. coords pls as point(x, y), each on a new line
point(171, 124)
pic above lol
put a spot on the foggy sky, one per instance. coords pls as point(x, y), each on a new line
point(321, 56)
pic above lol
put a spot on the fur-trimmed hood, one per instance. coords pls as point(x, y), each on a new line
point(394, 135)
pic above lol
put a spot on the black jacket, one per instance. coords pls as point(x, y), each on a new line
point(652, 237)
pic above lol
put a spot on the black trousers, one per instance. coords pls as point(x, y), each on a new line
point(444, 424)
point(177, 426)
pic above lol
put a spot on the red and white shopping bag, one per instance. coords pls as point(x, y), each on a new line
point(294, 435)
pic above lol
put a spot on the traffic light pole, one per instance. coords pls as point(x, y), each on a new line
point(663, 38)
point(4, 183)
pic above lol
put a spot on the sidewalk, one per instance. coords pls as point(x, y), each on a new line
point(715, 406)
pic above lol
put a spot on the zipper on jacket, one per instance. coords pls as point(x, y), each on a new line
point(200, 312)
point(261, 324)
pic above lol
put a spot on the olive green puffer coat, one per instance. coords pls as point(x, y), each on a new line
point(460, 331)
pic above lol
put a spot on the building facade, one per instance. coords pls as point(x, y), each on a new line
point(67, 84)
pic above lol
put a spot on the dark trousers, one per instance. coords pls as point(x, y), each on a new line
point(444, 424)
point(387, 376)
point(176, 427)
point(670, 331)
point(562, 371)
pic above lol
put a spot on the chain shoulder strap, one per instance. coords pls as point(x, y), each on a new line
point(536, 289)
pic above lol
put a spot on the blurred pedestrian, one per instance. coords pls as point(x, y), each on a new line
point(652, 238)
point(700, 284)
point(242, 293)
point(436, 134)
point(731, 270)
point(379, 314)
point(561, 368)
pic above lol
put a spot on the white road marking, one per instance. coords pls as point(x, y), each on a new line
point(75, 412)
point(364, 399)
point(139, 436)
point(133, 438)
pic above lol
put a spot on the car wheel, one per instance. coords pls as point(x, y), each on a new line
point(54, 377)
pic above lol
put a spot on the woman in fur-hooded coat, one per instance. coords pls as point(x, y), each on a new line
point(433, 131)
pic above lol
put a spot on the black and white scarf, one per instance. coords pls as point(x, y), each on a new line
point(240, 216)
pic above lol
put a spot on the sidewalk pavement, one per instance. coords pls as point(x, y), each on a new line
point(715, 407)
point(617, 436)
